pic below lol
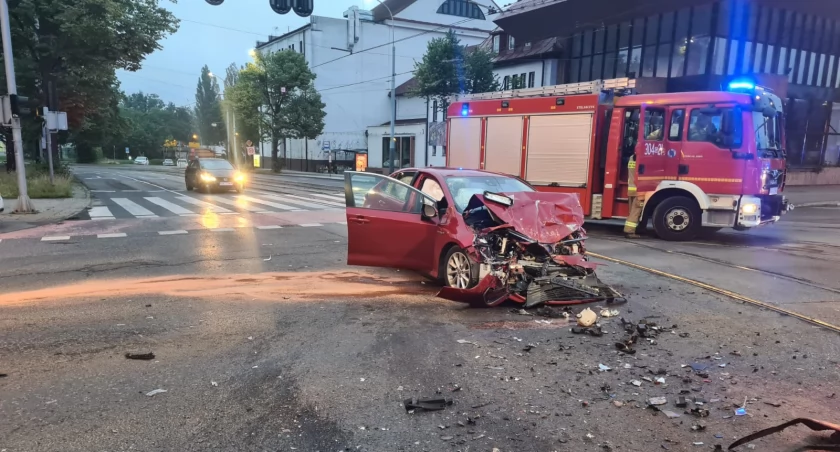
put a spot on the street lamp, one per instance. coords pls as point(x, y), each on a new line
point(392, 147)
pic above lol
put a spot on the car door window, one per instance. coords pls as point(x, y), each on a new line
point(704, 125)
point(654, 123)
point(405, 177)
point(432, 188)
point(377, 192)
point(675, 132)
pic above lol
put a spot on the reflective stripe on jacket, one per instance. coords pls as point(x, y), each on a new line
point(631, 176)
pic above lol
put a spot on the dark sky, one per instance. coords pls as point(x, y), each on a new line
point(215, 36)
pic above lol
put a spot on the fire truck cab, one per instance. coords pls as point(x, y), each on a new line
point(704, 160)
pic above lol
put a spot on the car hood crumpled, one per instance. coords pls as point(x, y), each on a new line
point(541, 216)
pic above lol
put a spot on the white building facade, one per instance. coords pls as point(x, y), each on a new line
point(351, 58)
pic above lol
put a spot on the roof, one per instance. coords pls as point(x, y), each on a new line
point(404, 122)
point(694, 97)
point(407, 87)
point(541, 47)
point(271, 38)
point(381, 12)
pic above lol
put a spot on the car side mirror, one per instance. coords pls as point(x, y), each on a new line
point(429, 211)
point(727, 122)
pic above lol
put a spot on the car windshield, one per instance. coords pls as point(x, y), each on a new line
point(216, 164)
point(463, 188)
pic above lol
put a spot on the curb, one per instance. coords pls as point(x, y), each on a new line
point(818, 204)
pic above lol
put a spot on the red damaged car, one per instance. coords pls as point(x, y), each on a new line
point(487, 237)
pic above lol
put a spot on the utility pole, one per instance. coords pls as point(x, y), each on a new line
point(24, 204)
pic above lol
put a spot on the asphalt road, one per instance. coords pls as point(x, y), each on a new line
point(265, 340)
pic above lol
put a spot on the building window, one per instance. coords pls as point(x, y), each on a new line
point(511, 43)
point(402, 151)
point(531, 77)
point(528, 45)
point(461, 8)
point(434, 111)
point(506, 83)
point(496, 41)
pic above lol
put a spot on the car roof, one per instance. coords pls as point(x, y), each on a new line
point(447, 172)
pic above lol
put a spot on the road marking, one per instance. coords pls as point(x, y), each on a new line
point(336, 198)
point(115, 235)
point(174, 208)
point(310, 225)
point(55, 238)
point(179, 231)
point(270, 227)
point(342, 222)
point(103, 191)
point(239, 204)
point(149, 183)
point(222, 229)
point(285, 198)
point(324, 202)
point(205, 205)
point(100, 213)
point(268, 203)
point(133, 208)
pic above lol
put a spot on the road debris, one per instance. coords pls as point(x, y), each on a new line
point(604, 368)
point(430, 404)
point(610, 313)
point(269, 258)
point(464, 341)
point(813, 424)
point(670, 414)
point(155, 392)
point(636, 383)
point(214, 383)
point(140, 356)
point(592, 331)
point(657, 401)
point(587, 318)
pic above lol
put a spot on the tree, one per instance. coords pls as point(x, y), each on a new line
point(208, 109)
point(247, 125)
point(73, 49)
point(448, 68)
point(277, 92)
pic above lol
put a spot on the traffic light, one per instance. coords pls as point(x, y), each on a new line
point(302, 8)
point(20, 105)
point(281, 6)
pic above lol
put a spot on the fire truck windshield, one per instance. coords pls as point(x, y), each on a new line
point(768, 135)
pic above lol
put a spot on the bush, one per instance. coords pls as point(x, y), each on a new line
point(157, 162)
point(38, 185)
point(88, 155)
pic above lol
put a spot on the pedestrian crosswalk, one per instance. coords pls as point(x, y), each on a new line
point(174, 204)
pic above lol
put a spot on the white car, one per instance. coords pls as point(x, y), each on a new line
point(182, 163)
point(2, 207)
point(168, 162)
point(141, 161)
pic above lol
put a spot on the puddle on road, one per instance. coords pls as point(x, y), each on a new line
point(273, 287)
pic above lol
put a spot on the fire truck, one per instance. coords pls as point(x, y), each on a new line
point(704, 160)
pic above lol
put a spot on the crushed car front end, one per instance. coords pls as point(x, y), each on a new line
point(530, 247)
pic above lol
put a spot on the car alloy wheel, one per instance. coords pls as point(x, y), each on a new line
point(458, 271)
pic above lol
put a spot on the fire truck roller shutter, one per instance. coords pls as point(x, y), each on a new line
point(503, 145)
point(558, 149)
point(464, 142)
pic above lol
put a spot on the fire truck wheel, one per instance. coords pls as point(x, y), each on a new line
point(677, 218)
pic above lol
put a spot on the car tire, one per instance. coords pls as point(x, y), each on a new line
point(458, 270)
point(240, 189)
point(189, 187)
point(677, 219)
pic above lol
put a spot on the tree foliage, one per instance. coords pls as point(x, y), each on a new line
point(75, 47)
point(448, 68)
point(277, 92)
point(247, 123)
point(208, 110)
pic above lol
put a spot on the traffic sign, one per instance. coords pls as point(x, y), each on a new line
point(249, 143)
point(126, 150)
point(250, 150)
point(325, 146)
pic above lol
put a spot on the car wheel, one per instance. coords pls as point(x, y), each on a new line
point(189, 187)
point(677, 219)
point(240, 188)
point(459, 271)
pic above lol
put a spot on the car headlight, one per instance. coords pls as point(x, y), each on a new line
point(239, 177)
point(207, 177)
point(750, 208)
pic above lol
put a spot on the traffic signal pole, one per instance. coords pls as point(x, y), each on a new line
point(24, 204)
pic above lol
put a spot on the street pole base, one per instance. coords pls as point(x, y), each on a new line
point(24, 205)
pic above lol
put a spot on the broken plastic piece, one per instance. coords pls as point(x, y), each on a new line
point(587, 317)
point(155, 392)
point(610, 313)
point(656, 401)
point(603, 368)
point(741, 412)
point(670, 414)
point(426, 404)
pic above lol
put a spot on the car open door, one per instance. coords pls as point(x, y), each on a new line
point(385, 223)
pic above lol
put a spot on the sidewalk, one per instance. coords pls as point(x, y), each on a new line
point(266, 171)
point(49, 211)
point(813, 196)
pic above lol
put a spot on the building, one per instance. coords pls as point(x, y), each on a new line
point(792, 47)
point(351, 57)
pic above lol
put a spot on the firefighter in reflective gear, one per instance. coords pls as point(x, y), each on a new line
point(634, 201)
